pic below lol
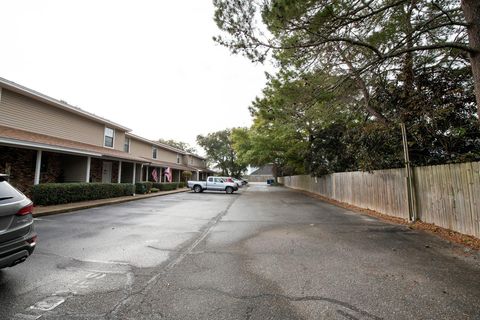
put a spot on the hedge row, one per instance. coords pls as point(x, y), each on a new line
point(143, 187)
point(146, 187)
point(59, 193)
point(166, 186)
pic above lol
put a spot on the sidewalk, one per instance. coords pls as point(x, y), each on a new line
point(60, 208)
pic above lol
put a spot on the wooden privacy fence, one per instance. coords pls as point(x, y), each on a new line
point(446, 195)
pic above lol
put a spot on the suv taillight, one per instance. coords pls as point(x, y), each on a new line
point(25, 210)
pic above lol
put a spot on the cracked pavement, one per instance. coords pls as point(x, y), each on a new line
point(264, 253)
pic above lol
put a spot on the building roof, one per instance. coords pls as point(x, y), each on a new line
point(203, 169)
point(167, 164)
point(15, 87)
point(163, 145)
point(30, 139)
point(196, 156)
point(21, 138)
point(156, 143)
point(263, 171)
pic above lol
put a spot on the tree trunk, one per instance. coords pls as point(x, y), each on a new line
point(471, 10)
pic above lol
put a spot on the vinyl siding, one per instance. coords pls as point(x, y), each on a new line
point(165, 155)
point(140, 148)
point(198, 163)
point(144, 149)
point(24, 113)
point(119, 140)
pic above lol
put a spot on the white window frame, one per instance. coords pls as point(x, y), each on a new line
point(113, 138)
point(178, 158)
point(156, 152)
point(129, 141)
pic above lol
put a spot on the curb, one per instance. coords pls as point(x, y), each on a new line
point(63, 208)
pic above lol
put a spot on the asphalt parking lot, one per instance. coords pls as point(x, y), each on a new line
point(262, 253)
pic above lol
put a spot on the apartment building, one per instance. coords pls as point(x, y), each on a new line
point(45, 140)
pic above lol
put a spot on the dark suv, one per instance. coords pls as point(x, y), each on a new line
point(17, 236)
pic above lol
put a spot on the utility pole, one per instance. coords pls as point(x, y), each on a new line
point(412, 208)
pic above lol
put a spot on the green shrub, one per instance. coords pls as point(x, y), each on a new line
point(143, 187)
point(182, 184)
point(59, 193)
point(166, 186)
point(153, 190)
point(186, 175)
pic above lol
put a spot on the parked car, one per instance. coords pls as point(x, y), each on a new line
point(233, 180)
point(238, 182)
point(17, 234)
point(213, 183)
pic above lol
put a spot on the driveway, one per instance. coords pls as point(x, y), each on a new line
point(264, 253)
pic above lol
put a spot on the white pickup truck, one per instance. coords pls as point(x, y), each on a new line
point(214, 184)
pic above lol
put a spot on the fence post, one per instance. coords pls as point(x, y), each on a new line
point(412, 208)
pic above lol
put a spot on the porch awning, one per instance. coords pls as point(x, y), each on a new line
point(25, 139)
point(202, 169)
point(166, 164)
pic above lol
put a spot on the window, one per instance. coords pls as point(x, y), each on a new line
point(126, 145)
point(178, 158)
point(109, 135)
point(154, 152)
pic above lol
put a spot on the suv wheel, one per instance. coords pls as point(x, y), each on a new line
point(229, 190)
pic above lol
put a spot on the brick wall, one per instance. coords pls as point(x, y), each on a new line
point(51, 168)
point(20, 165)
point(96, 167)
point(96, 170)
point(115, 171)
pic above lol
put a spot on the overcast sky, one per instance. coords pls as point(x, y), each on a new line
point(149, 65)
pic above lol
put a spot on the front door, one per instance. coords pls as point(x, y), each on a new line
point(107, 172)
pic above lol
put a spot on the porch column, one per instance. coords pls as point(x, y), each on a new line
point(87, 172)
point(119, 171)
point(146, 173)
point(160, 172)
point(141, 172)
point(38, 166)
point(134, 172)
point(198, 175)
